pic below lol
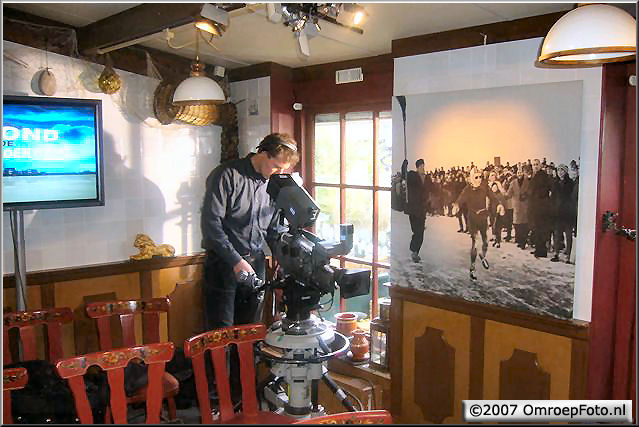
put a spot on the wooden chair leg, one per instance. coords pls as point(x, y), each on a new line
point(108, 419)
point(170, 401)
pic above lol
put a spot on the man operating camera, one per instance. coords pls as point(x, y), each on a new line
point(237, 217)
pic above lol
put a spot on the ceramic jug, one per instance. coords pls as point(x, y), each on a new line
point(359, 345)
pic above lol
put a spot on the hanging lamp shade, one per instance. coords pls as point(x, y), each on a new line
point(198, 89)
point(589, 35)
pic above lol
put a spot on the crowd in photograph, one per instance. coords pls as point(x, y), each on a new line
point(534, 203)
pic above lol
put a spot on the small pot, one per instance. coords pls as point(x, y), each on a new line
point(346, 323)
point(359, 345)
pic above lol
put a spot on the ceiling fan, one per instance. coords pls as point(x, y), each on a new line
point(304, 18)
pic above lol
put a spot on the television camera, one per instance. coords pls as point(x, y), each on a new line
point(304, 341)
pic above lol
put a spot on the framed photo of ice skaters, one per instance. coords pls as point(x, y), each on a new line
point(493, 186)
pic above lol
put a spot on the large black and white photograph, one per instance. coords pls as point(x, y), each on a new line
point(491, 182)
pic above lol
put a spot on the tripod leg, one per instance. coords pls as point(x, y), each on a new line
point(339, 393)
point(315, 396)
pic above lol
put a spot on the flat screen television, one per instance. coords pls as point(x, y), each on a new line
point(51, 153)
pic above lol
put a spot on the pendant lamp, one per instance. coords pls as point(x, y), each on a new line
point(591, 34)
point(198, 89)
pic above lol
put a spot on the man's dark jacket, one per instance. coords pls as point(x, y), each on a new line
point(417, 194)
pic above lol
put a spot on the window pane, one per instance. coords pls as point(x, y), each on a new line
point(359, 212)
point(326, 155)
point(384, 149)
point(327, 223)
point(359, 149)
point(362, 303)
point(383, 283)
point(383, 226)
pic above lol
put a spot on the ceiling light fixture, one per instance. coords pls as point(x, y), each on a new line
point(209, 26)
point(591, 34)
point(198, 89)
point(353, 13)
point(297, 15)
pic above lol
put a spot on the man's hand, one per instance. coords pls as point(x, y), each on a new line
point(243, 265)
point(455, 209)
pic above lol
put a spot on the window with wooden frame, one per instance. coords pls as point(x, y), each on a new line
point(348, 173)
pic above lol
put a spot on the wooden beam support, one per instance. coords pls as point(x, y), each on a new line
point(131, 24)
point(499, 32)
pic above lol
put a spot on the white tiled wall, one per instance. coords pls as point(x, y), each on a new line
point(253, 100)
point(154, 174)
point(509, 64)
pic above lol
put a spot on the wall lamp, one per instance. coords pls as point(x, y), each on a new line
point(608, 223)
point(591, 34)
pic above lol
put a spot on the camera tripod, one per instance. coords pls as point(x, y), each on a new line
point(304, 348)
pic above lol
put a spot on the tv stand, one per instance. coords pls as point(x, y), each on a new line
point(16, 217)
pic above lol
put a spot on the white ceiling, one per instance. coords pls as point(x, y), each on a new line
point(252, 39)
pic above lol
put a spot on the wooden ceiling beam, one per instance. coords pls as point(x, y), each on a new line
point(134, 23)
point(56, 37)
point(498, 32)
point(140, 21)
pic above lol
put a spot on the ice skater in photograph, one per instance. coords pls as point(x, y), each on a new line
point(477, 198)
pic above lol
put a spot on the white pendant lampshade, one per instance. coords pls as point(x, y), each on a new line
point(198, 89)
point(589, 35)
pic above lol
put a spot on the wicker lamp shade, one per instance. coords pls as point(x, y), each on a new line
point(198, 115)
point(167, 112)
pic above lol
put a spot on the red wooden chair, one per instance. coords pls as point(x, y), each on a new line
point(114, 362)
point(216, 342)
point(12, 379)
point(150, 310)
point(26, 322)
point(381, 416)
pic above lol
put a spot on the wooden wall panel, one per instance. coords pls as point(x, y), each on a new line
point(553, 354)
point(434, 379)
point(34, 298)
point(523, 368)
point(487, 341)
point(164, 284)
point(72, 295)
point(456, 327)
point(185, 316)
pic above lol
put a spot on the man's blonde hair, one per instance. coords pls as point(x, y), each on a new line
point(280, 143)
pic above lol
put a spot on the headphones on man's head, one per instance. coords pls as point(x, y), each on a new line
point(278, 141)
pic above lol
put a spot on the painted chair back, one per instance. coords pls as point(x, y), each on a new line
point(26, 322)
point(113, 362)
point(150, 310)
point(215, 343)
point(12, 379)
point(380, 416)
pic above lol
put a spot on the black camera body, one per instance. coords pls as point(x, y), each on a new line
point(305, 258)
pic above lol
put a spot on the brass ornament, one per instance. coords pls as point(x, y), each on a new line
point(148, 248)
point(109, 82)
